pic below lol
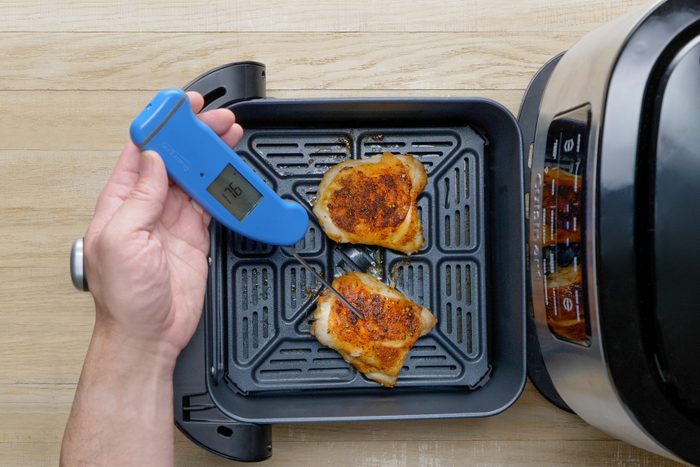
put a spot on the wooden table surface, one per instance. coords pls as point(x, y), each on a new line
point(74, 73)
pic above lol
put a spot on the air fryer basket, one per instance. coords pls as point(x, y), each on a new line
point(252, 359)
point(269, 297)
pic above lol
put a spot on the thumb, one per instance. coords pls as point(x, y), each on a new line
point(144, 204)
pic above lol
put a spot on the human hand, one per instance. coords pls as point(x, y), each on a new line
point(146, 249)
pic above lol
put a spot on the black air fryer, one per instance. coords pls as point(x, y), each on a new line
point(603, 167)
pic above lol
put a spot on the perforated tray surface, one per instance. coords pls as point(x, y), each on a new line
point(270, 298)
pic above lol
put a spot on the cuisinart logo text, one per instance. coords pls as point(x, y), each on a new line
point(536, 225)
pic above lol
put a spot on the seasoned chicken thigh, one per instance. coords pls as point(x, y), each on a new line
point(377, 344)
point(373, 201)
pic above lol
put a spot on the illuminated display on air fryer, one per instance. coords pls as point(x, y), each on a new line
point(563, 242)
point(234, 192)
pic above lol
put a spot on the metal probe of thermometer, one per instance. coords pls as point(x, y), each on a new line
point(326, 284)
point(217, 178)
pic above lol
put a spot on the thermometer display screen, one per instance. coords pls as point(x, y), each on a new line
point(234, 192)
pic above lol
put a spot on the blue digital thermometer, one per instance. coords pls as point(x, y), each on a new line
point(213, 174)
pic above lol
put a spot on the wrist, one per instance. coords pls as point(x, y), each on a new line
point(133, 353)
point(123, 407)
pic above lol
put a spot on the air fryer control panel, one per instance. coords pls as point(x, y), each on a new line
point(562, 243)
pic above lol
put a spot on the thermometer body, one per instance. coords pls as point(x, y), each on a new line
point(213, 174)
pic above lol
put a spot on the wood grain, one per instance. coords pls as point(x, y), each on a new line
point(149, 61)
point(299, 16)
point(390, 454)
point(37, 412)
point(47, 405)
point(74, 73)
point(94, 121)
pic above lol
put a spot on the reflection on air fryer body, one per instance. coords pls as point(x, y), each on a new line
point(563, 244)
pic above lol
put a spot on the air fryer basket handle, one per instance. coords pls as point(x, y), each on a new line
point(196, 414)
point(236, 441)
point(230, 83)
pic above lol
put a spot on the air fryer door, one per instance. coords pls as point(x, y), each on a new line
point(674, 229)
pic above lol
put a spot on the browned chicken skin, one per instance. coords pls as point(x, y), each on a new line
point(373, 201)
point(377, 344)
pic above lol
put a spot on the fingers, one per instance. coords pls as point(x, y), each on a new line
point(219, 120)
point(196, 101)
point(185, 219)
point(233, 135)
point(127, 168)
point(118, 187)
point(144, 204)
point(223, 122)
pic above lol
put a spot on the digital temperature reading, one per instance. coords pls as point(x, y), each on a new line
point(234, 192)
point(563, 241)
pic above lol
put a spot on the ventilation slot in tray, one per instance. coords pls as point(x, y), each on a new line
point(313, 155)
point(300, 288)
point(413, 280)
point(459, 318)
point(455, 205)
point(431, 150)
point(305, 363)
point(246, 247)
point(255, 305)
